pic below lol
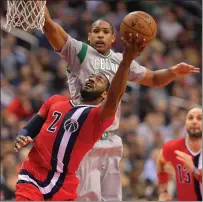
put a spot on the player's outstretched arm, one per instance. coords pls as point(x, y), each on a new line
point(55, 34)
point(163, 77)
point(117, 88)
point(163, 178)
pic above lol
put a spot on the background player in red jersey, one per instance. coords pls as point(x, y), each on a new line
point(185, 156)
point(66, 131)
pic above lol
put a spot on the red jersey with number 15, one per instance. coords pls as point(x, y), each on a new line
point(187, 186)
point(68, 133)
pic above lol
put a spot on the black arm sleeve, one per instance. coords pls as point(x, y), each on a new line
point(33, 126)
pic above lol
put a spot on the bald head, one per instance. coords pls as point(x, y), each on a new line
point(193, 122)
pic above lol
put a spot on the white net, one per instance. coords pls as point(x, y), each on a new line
point(25, 14)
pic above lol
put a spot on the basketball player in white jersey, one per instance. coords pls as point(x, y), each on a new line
point(99, 172)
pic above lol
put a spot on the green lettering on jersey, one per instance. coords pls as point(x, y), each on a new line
point(83, 52)
point(67, 69)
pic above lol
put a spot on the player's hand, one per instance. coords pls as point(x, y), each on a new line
point(133, 46)
point(21, 141)
point(183, 69)
point(186, 160)
point(164, 197)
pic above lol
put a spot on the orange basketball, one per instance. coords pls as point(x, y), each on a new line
point(141, 23)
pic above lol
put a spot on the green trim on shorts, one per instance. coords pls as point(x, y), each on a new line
point(81, 55)
point(67, 69)
point(104, 136)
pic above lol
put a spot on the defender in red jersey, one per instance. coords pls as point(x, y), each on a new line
point(185, 156)
point(65, 131)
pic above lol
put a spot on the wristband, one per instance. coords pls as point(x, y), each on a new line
point(194, 170)
point(163, 177)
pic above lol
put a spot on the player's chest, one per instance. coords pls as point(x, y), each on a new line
point(97, 63)
point(64, 118)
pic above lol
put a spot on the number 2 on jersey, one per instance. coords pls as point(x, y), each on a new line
point(52, 127)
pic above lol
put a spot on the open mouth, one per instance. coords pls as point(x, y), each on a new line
point(100, 44)
point(89, 85)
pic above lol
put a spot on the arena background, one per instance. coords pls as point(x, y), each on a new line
point(31, 72)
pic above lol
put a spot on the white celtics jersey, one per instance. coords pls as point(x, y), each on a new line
point(83, 60)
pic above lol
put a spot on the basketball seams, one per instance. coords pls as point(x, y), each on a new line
point(141, 16)
point(136, 30)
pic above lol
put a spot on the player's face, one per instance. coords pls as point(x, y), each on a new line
point(194, 122)
point(94, 87)
point(101, 37)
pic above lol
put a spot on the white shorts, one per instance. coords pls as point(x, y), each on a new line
point(99, 172)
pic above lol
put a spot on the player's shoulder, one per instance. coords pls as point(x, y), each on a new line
point(175, 144)
point(117, 56)
point(57, 98)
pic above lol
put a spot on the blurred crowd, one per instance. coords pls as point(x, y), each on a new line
point(150, 116)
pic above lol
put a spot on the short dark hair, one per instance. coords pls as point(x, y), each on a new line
point(105, 20)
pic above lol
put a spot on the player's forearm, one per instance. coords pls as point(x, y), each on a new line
point(116, 90)
point(55, 34)
point(162, 175)
point(163, 77)
point(33, 126)
point(119, 82)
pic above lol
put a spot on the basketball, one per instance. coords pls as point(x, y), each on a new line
point(141, 23)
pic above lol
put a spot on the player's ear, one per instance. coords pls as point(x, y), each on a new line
point(104, 94)
point(89, 35)
point(113, 38)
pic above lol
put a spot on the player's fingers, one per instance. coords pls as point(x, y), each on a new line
point(181, 155)
point(17, 146)
point(16, 149)
point(21, 140)
point(137, 39)
point(180, 159)
point(125, 43)
point(195, 70)
point(30, 139)
point(130, 37)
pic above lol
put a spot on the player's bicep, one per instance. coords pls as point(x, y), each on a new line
point(108, 110)
point(74, 53)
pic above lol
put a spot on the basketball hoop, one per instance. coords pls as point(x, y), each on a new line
point(27, 14)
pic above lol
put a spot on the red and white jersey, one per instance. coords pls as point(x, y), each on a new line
point(188, 187)
point(68, 133)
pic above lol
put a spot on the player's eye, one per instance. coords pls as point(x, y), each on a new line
point(106, 31)
point(95, 30)
point(100, 79)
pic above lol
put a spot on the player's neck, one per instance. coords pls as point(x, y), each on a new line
point(107, 53)
point(194, 143)
point(90, 102)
